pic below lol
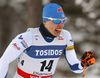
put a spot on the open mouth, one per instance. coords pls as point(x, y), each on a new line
point(58, 30)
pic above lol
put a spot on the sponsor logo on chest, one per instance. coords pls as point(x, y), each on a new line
point(48, 52)
point(45, 51)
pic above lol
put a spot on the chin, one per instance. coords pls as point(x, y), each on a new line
point(57, 35)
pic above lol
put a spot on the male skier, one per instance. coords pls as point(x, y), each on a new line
point(39, 49)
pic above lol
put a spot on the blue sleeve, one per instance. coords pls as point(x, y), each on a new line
point(73, 62)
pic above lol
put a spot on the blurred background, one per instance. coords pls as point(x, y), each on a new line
point(83, 22)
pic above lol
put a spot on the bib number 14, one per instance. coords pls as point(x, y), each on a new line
point(48, 67)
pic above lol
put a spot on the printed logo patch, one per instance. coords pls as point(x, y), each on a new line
point(36, 37)
point(15, 46)
point(60, 38)
point(60, 10)
point(20, 37)
point(71, 40)
point(24, 44)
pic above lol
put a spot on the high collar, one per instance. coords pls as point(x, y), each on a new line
point(45, 32)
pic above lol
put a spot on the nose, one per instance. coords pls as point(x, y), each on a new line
point(61, 25)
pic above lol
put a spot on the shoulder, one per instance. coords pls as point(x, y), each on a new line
point(69, 40)
point(66, 33)
point(26, 34)
point(24, 39)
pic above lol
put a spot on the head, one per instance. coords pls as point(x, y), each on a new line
point(53, 18)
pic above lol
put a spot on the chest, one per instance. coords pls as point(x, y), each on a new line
point(40, 48)
point(42, 56)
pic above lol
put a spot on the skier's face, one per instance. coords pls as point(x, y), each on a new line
point(54, 29)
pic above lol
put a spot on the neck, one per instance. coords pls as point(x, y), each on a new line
point(45, 32)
